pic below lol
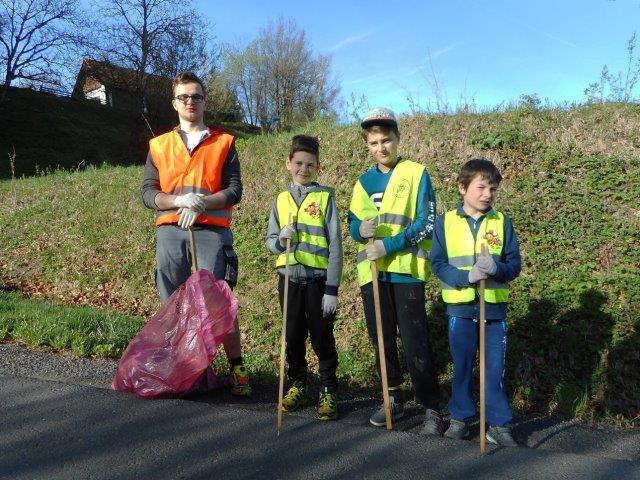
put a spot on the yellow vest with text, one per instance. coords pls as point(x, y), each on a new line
point(309, 243)
point(397, 211)
point(462, 252)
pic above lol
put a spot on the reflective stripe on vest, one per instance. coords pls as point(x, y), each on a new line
point(200, 172)
point(397, 211)
point(309, 242)
point(462, 253)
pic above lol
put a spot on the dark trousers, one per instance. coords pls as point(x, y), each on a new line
point(463, 342)
point(305, 318)
point(402, 308)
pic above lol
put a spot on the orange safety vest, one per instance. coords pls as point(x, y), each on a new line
point(200, 172)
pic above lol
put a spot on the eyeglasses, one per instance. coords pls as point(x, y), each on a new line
point(184, 98)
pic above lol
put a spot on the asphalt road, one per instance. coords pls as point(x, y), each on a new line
point(58, 421)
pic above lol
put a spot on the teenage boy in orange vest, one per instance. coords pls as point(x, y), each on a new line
point(192, 179)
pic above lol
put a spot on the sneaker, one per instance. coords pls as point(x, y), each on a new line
point(457, 429)
point(327, 405)
point(238, 382)
point(379, 419)
point(295, 398)
point(433, 424)
point(501, 436)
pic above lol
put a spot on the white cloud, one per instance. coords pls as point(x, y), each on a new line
point(442, 51)
point(550, 36)
point(349, 40)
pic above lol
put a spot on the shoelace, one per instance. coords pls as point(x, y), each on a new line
point(327, 400)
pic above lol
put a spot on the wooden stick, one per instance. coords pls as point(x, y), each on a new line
point(284, 329)
point(483, 439)
point(381, 353)
point(192, 247)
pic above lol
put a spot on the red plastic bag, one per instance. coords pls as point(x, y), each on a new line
point(172, 354)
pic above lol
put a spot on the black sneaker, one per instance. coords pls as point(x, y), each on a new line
point(379, 419)
point(501, 436)
point(457, 429)
point(433, 424)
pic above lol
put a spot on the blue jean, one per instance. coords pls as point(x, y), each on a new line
point(173, 257)
point(463, 344)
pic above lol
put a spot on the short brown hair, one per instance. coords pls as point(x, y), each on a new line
point(187, 77)
point(305, 143)
point(379, 128)
point(479, 166)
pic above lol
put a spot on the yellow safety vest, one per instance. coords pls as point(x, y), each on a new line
point(462, 253)
point(309, 243)
point(397, 212)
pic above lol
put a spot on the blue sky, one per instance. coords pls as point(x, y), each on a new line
point(485, 52)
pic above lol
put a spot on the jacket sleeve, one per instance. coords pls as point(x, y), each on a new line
point(273, 231)
point(231, 178)
point(354, 224)
point(150, 184)
point(334, 235)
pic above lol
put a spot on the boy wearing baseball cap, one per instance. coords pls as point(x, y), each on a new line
point(394, 204)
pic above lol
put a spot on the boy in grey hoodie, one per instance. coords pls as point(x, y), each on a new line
point(315, 269)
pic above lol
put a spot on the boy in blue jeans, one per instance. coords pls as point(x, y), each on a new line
point(456, 260)
point(315, 268)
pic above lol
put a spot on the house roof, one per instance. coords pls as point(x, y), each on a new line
point(94, 73)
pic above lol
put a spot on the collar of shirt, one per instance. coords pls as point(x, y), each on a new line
point(460, 211)
point(192, 140)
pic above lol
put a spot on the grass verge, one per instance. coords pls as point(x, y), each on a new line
point(85, 331)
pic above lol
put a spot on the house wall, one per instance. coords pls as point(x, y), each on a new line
point(99, 94)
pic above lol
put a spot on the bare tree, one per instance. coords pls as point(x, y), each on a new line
point(34, 34)
point(183, 48)
point(152, 37)
point(277, 80)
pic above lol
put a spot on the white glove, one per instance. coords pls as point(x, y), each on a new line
point(367, 228)
point(286, 234)
point(193, 201)
point(487, 264)
point(375, 250)
point(475, 274)
point(187, 218)
point(329, 304)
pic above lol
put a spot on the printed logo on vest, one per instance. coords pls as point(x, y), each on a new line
point(401, 189)
point(492, 238)
point(313, 210)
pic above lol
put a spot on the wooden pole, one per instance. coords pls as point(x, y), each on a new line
point(483, 438)
point(192, 247)
point(381, 353)
point(283, 337)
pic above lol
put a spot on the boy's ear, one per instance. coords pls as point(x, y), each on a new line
point(462, 189)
